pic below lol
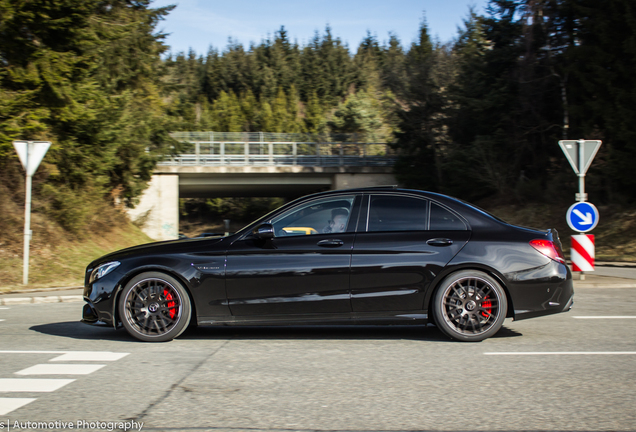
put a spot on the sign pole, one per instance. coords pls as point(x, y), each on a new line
point(581, 173)
point(581, 148)
point(27, 228)
point(31, 154)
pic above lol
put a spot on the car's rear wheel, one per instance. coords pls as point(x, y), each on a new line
point(469, 306)
point(154, 307)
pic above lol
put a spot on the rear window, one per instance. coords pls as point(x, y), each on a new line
point(445, 220)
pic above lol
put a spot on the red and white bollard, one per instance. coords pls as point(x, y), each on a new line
point(582, 253)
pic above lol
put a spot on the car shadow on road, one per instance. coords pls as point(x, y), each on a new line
point(77, 330)
point(359, 332)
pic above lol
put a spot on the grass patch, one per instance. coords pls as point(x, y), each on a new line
point(63, 265)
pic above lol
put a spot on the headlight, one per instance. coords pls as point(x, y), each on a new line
point(102, 270)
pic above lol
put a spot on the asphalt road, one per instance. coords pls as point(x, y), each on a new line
point(625, 271)
point(561, 372)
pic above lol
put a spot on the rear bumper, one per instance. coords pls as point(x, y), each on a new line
point(553, 309)
point(542, 291)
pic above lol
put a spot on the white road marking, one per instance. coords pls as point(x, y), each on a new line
point(1, 320)
point(75, 355)
point(9, 404)
point(90, 356)
point(31, 352)
point(563, 353)
point(28, 385)
point(60, 369)
point(4, 308)
point(606, 317)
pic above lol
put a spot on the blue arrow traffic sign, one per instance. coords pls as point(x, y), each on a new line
point(582, 216)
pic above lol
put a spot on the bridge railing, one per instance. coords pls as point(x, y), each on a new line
point(270, 153)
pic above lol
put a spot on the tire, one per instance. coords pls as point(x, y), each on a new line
point(469, 306)
point(154, 307)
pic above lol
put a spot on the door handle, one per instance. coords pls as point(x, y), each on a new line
point(330, 243)
point(439, 242)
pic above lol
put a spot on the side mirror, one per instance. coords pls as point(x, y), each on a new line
point(264, 231)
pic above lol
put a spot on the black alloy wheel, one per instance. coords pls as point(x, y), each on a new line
point(470, 306)
point(154, 307)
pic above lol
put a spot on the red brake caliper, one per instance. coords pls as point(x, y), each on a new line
point(170, 304)
point(486, 304)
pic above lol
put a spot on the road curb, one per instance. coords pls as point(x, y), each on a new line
point(38, 290)
point(7, 301)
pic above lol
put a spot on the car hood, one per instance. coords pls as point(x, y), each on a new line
point(168, 246)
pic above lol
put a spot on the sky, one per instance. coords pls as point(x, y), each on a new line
point(199, 24)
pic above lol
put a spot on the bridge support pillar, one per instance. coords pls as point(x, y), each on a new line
point(348, 181)
point(158, 210)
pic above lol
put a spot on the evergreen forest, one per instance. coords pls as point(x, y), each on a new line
point(477, 117)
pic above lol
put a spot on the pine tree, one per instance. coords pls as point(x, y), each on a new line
point(420, 139)
point(358, 115)
point(314, 121)
point(84, 75)
point(265, 119)
point(228, 114)
point(602, 87)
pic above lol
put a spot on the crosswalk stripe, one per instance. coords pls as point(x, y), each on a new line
point(38, 385)
point(60, 369)
point(74, 355)
point(31, 352)
point(9, 404)
point(28, 385)
point(90, 356)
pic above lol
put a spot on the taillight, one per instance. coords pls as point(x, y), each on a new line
point(549, 249)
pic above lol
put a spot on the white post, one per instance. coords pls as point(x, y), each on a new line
point(581, 175)
point(271, 153)
point(27, 227)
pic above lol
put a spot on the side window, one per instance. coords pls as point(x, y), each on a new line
point(444, 220)
point(397, 213)
point(327, 215)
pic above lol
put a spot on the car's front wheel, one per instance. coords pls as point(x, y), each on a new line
point(469, 306)
point(154, 307)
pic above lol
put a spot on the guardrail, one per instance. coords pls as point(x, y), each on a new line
point(241, 153)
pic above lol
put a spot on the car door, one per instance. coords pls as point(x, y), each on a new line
point(304, 269)
point(397, 254)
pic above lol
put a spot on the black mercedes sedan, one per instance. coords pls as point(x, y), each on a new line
point(378, 255)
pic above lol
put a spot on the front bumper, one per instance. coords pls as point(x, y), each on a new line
point(100, 300)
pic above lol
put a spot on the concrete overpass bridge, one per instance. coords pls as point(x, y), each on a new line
point(252, 164)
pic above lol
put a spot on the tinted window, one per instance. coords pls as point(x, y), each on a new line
point(444, 220)
point(397, 213)
point(327, 215)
